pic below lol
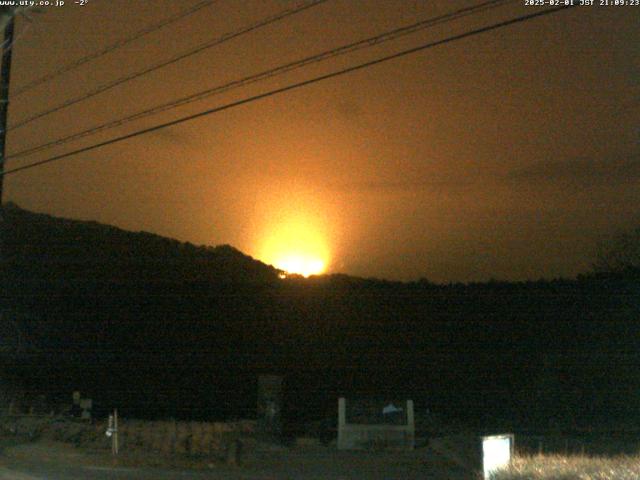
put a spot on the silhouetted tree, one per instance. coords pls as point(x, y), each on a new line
point(619, 254)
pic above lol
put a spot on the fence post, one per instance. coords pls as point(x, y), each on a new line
point(112, 431)
point(342, 420)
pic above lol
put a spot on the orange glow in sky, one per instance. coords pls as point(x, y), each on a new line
point(296, 246)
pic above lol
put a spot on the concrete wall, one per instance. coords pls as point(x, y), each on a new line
point(192, 438)
point(352, 436)
point(168, 437)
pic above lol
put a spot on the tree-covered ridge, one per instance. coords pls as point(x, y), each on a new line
point(42, 244)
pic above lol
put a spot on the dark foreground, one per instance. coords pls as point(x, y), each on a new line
point(56, 462)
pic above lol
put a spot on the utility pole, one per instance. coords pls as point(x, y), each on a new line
point(4, 108)
point(4, 94)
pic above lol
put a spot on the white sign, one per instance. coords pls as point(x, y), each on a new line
point(496, 453)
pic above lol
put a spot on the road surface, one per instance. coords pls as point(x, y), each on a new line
point(294, 466)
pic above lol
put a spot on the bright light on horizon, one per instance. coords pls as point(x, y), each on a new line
point(297, 246)
point(300, 264)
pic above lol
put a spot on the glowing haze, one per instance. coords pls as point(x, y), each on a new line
point(296, 246)
point(496, 156)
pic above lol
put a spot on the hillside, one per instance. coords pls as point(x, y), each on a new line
point(40, 245)
point(160, 328)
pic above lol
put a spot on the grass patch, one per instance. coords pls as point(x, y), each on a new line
point(578, 467)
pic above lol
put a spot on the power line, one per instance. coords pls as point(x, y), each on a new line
point(345, 49)
point(293, 86)
point(217, 41)
point(114, 46)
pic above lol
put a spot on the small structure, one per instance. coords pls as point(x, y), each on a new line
point(367, 424)
point(81, 406)
point(85, 405)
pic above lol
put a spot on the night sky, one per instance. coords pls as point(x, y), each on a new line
point(505, 155)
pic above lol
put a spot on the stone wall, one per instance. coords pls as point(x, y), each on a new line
point(203, 439)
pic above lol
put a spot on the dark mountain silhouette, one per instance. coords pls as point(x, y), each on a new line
point(91, 251)
point(156, 327)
